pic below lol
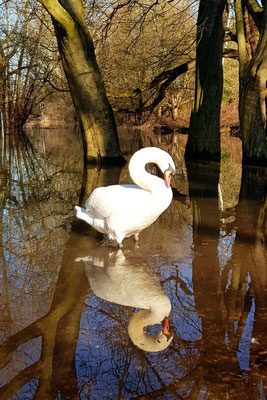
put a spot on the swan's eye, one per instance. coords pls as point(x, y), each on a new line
point(158, 341)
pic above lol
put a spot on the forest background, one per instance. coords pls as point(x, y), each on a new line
point(181, 63)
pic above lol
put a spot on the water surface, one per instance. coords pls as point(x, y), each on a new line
point(63, 331)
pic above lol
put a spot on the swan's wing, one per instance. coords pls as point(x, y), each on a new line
point(104, 201)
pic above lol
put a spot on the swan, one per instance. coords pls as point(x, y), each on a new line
point(121, 211)
point(113, 279)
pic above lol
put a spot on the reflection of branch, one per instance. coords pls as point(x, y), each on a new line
point(169, 388)
point(9, 346)
point(20, 380)
point(183, 285)
point(59, 328)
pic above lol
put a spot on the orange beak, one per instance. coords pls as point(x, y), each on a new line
point(167, 328)
point(167, 177)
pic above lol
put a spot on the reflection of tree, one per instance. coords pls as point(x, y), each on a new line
point(86, 351)
point(59, 329)
point(254, 226)
point(230, 172)
point(36, 201)
point(222, 288)
point(216, 359)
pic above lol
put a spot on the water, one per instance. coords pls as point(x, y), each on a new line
point(66, 301)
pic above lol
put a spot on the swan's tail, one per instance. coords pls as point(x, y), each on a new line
point(96, 223)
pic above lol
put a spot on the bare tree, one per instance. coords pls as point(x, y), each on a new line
point(25, 66)
point(86, 85)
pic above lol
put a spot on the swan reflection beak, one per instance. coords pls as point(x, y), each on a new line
point(168, 175)
point(167, 328)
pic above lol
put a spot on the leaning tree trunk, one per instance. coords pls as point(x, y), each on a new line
point(204, 132)
point(85, 81)
point(253, 103)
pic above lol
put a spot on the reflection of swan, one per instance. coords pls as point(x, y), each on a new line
point(124, 210)
point(134, 286)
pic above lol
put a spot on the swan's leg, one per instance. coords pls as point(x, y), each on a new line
point(119, 239)
point(136, 240)
point(136, 237)
point(81, 213)
point(107, 241)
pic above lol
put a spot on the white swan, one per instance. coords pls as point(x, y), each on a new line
point(132, 285)
point(120, 211)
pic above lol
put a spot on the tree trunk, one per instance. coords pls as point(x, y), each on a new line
point(204, 132)
point(85, 81)
point(253, 103)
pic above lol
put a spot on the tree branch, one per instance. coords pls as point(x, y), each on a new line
point(256, 12)
point(230, 53)
point(55, 87)
point(167, 77)
point(58, 12)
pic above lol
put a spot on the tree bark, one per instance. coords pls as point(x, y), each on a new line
point(253, 102)
point(204, 132)
point(85, 81)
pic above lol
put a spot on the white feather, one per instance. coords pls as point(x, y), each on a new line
point(124, 210)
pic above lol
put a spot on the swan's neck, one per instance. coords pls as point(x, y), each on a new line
point(154, 315)
point(147, 317)
point(143, 178)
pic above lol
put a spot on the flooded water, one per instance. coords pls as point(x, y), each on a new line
point(70, 307)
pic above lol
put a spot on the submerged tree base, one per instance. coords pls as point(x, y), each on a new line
point(254, 161)
point(192, 154)
point(100, 161)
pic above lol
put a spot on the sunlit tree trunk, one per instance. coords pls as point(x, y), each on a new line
point(85, 81)
point(204, 132)
point(253, 100)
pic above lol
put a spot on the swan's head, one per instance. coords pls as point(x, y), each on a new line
point(156, 156)
point(146, 342)
point(168, 173)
